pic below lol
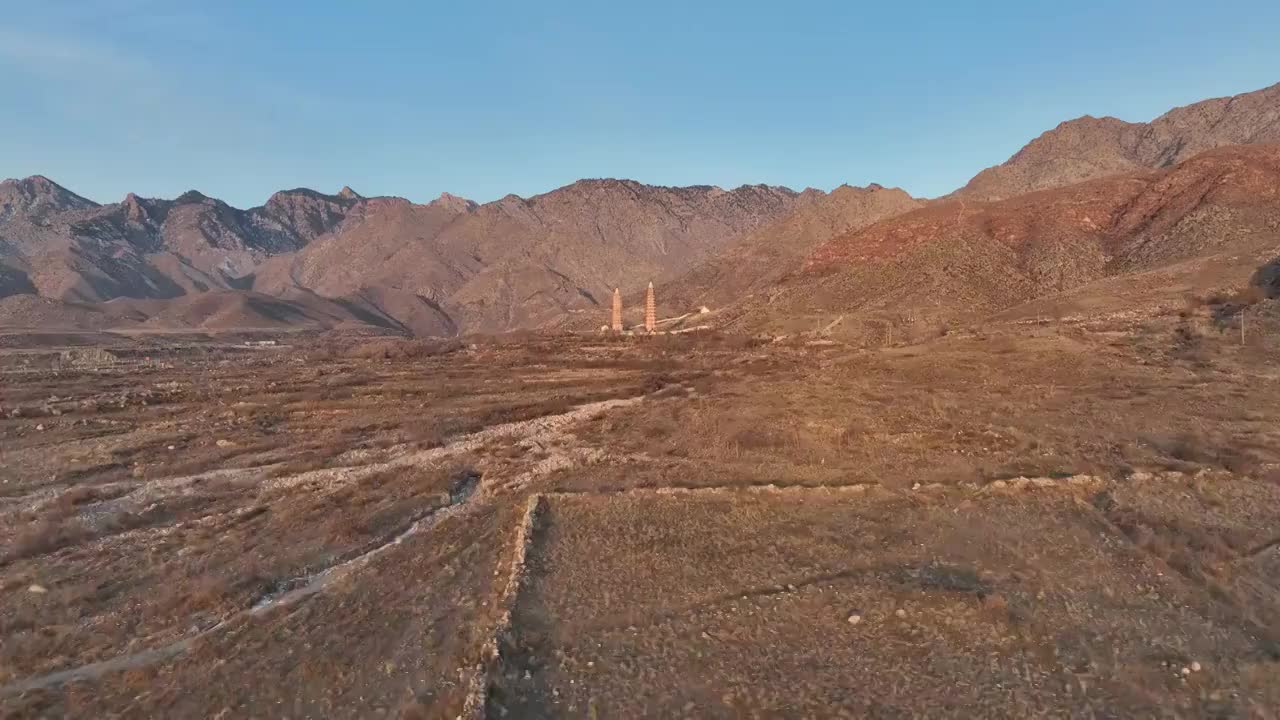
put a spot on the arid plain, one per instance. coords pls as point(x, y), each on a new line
point(1028, 517)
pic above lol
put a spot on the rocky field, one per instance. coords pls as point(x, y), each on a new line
point(1066, 517)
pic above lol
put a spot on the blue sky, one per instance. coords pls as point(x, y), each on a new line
point(238, 99)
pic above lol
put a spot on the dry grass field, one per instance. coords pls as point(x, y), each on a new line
point(1067, 516)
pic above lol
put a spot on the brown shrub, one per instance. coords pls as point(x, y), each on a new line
point(1244, 297)
point(657, 382)
point(758, 438)
point(297, 466)
point(1199, 448)
point(1200, 552)
point(201, 594)
point(69, 502)
point(45, 536)
point(709, 340)
point(1189, 344)
point(398, 349)
point(660, 426)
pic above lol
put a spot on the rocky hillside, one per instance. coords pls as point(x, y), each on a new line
point(763, 257)
point(961, 260)
point(518, 262)
point(758, 260)
point(439, 268)
point(1088, 147)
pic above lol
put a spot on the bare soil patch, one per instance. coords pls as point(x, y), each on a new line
point(741, 606)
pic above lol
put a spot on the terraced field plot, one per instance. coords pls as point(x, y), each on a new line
point(815, 603)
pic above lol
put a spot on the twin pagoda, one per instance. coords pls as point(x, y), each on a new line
point(650, 310)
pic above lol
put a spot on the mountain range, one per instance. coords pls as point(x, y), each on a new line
point(1090, 200)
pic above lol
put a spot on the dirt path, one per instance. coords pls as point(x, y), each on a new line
point(295, 591)
point(538, 430)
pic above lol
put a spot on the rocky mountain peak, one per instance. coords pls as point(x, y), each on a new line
point(38, 196)
point(193, 197)
point(454, 203)
point(135, 208)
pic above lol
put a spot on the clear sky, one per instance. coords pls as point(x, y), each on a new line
point(239, 98)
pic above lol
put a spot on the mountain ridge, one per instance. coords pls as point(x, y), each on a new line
point(510, 260)
point(1088, 147)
